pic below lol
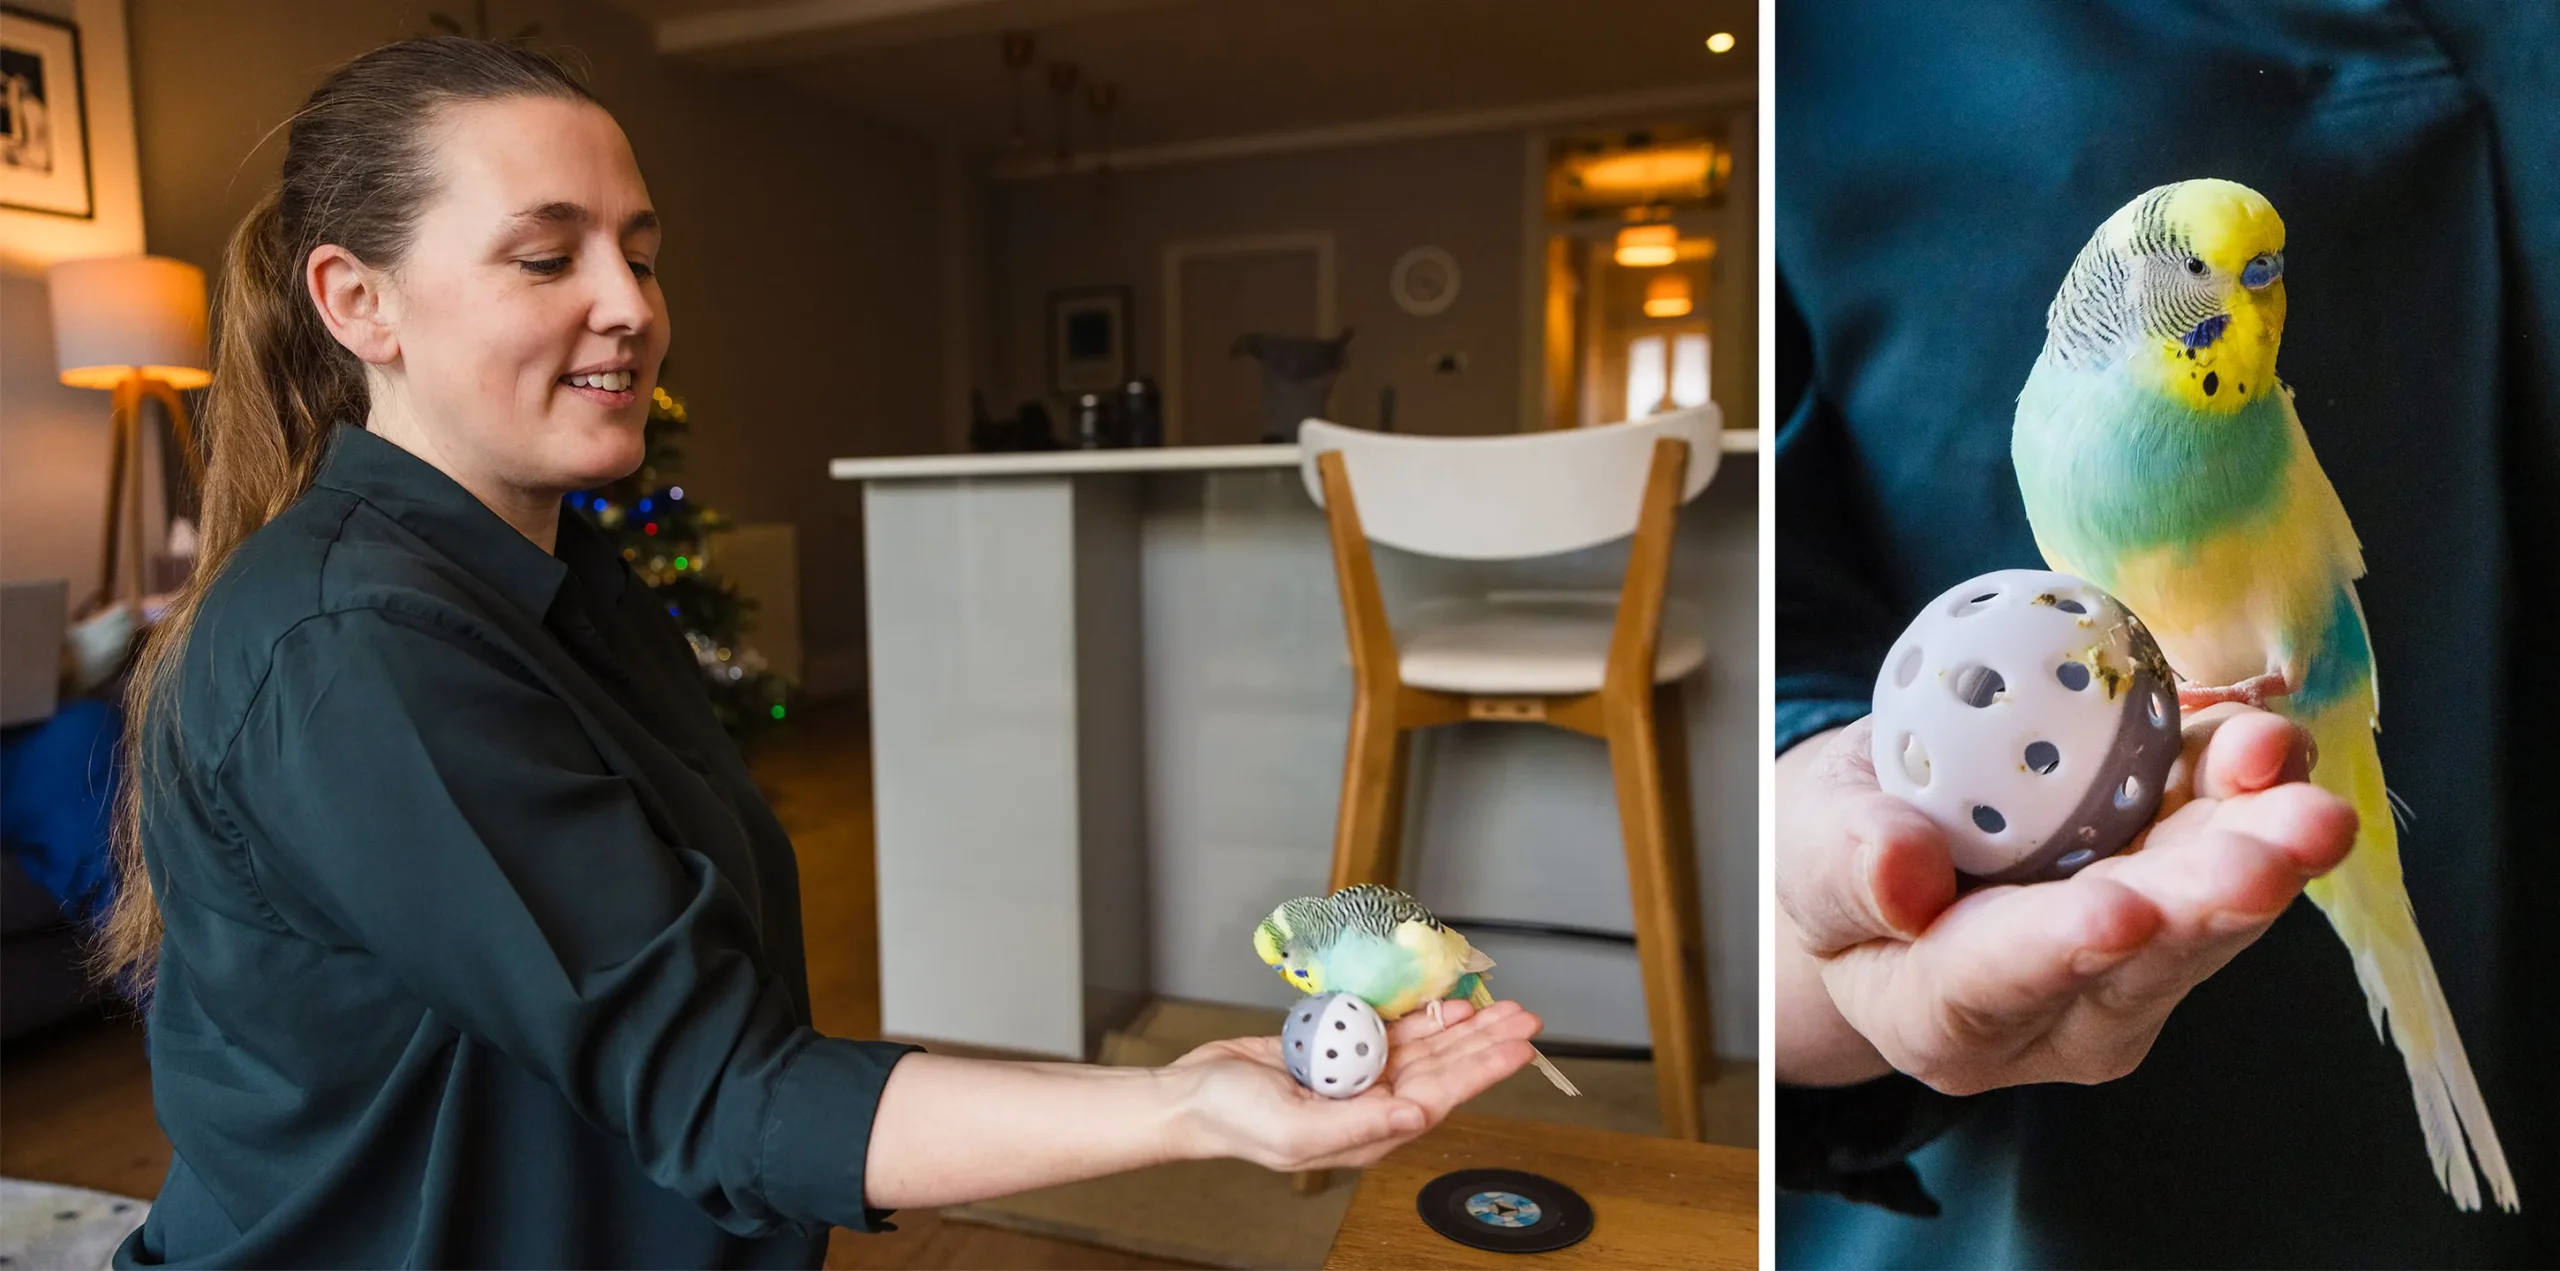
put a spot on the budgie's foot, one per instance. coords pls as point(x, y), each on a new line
point(2255, 691)
point(1433, 1010)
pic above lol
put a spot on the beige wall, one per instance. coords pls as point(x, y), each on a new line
point(1462, 194)
point(53, 440)
point(800, 265)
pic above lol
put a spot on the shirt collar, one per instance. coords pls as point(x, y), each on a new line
point(435, 507)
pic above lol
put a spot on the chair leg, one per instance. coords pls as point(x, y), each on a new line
point(1668, 940)
point(1368, 837)
point(1671, 743)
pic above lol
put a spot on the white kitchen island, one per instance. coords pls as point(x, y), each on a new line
point(1109, 695)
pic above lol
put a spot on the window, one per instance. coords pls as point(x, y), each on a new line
point(1689, 370)
point(1647, 376)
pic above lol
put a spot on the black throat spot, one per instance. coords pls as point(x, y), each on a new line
point(2212, 383)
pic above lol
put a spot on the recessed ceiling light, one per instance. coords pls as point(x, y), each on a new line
point(1644, 246)
point(1720, 42)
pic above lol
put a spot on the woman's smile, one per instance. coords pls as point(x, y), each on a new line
point(609, 386)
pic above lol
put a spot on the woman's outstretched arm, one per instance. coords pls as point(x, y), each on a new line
point(952, 1130)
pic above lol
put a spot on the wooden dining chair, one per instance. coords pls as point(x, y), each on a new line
point(1606, 666)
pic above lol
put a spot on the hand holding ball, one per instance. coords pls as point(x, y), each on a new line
point(2033, 718)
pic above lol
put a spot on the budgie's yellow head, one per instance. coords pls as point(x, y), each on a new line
point(1278, 943)
point(2184, 288)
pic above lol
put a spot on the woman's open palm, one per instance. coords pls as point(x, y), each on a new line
point(1254, 1110)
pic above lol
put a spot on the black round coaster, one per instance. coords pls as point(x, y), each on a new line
point(1504, 1210)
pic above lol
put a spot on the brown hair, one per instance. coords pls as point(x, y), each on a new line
point(359, 165)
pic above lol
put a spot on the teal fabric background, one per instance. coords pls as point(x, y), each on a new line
point(1938, 165)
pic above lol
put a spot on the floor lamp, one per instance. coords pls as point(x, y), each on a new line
point(134, 326)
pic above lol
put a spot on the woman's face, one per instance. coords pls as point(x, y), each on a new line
point(527, 313)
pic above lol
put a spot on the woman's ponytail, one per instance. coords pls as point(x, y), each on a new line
point(357, 169)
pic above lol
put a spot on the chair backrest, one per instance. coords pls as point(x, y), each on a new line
point(1509, 496)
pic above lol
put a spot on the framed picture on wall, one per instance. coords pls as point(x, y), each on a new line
point(44, 119)
point(1089, 336)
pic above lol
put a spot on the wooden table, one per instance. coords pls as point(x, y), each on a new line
point(1654, 1202)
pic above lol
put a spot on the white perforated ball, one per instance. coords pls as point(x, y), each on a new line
point(2033, 718)
point(1334, 1044)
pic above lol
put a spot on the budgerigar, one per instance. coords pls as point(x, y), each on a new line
point(2161, 459)
point(1383, 947)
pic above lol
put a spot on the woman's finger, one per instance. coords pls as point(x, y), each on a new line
point(2251, 751)
point(1994, 971)
point(1420, 1045)
point(1856, 864)
point(1417, 1025)
point(1321, 1127)
point(1453, 1079)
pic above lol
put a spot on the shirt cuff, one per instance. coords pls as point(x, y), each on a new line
point(817, 1132)
point(1810, 703)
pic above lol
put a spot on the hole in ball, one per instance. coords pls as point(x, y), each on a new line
point(1908, 669)
point(2159, 711)
point(1307, 1018)
point(2073, 675)
point(2068, 605)
point(1340, 1024)
point(1977, 685)
point(2043, 757)
point(1915, 761)
point(2129, 793)
point(1302, 1045)
point(1330, 1080)
point(1989, 818)
point(1361, 1050)
point(2074, 860)
point(1974, 605)
point(1333, 1054)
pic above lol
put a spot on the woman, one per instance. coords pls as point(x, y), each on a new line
point(473, 942)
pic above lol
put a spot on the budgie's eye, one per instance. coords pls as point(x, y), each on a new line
point(2195, 266)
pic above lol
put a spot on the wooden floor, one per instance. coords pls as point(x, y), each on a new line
point(75, 1101)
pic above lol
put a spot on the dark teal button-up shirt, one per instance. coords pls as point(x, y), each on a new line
point(1939, 165)
point(482, 947)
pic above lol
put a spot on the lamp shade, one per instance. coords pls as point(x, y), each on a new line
point(115, 316)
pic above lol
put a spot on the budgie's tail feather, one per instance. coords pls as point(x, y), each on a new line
point(1482, 997)
point(2369, 906)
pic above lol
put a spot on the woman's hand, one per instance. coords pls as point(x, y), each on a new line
point(1242, 1102)
point(1882, 967)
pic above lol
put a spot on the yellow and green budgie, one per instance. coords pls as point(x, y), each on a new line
point(2162, 460)
point(1381, 946)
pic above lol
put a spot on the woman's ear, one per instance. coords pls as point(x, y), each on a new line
point(355, 303)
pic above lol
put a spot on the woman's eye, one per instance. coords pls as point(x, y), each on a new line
point(643, 269)
point(2195, 266)
point(546, 266)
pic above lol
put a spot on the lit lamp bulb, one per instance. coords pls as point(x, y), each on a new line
point(1644, 246)
point(1720, 42)
point(1667, 297)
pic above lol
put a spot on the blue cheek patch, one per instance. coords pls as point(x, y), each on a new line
point(2206, 332)
point(2262, 269)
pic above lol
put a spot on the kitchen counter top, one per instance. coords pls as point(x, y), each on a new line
point(1128, 459)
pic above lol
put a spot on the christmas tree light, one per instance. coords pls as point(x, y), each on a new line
point(666, 539)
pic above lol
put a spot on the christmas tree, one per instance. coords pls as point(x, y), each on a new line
point(666, 538)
